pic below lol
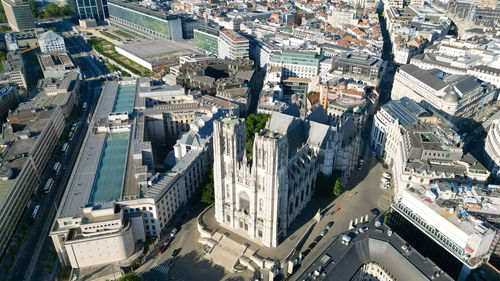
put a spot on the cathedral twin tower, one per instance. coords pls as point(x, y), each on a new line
point(259, 197)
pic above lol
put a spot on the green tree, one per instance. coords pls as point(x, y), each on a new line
point(337, 187)
point(253, 124)
point(131, 276)
point(48, 267)
point(3, 18)
point(207, 192)
point(34, 9)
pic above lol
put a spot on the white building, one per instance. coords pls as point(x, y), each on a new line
point(492, 147)
point(260, 198)
point(457, 96)
point(51, 42)
point(232, 45)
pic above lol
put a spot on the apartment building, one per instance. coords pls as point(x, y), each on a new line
point(295, 63)
point(207, 38)
point(492, 148)
point(25, 157)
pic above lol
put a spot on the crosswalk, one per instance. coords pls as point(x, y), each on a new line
point(162, 268)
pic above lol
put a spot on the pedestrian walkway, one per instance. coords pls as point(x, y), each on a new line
point(162, 268)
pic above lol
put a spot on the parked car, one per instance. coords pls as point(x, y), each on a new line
point(176, 252)
point(323, 233)
point(174, 231)
point(384, 186)
point(162, 248)
point(329, 224)
point(386, 175)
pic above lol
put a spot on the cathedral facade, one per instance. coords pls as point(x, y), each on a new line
point(261, 196)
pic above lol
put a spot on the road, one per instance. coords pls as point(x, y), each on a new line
point(29, 258)
point(34, 252)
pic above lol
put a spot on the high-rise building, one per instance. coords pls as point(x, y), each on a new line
point(18, 15)
point(232, 45)
point(144, 22)
point(89, 9)
point(207, 38)
point(261, 196)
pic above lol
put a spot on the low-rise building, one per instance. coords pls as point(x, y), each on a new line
point(14, 69)
point(50, 93)
point(57, 64)
point(492, 148)
point(51, 42)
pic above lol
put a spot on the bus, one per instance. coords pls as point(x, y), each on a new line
point(84, 106)
point(35, 212)
point(65, 147)
point(48, 185)
point(57, 167)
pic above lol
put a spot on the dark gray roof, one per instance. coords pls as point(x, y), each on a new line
point(424, 76)
point(340, 262)
point(318, 115)
point(467, 84)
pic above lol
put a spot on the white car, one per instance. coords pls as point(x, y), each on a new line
point(174, 231)
point(384, 180)
point(386, 175)
point(384, 186)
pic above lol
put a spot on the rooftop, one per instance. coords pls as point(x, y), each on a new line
point(379, 245)
point(158, 49)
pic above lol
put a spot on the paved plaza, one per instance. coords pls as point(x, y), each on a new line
point(352, 204)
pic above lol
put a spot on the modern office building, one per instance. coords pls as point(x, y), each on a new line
point(89, 9)
point(442, 213)
point(295, 63)
point(51, 42)
point(144, 22)
point(232, 45)
point(23, 161)
point(358, 66)
point(207, 38)
point(492, 147)
point(18, 15)
point(263, 198)
point(455, 96)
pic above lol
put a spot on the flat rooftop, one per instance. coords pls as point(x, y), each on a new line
point(158, 49)
point(87, 172)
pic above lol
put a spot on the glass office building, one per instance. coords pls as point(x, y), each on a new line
point(206, 38)
point(143, 20)
point(89, 9)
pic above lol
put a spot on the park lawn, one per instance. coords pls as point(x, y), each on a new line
point(107, 49)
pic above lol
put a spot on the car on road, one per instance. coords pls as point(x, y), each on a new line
point(386, 175)
point(329, 224)
point(323, 233)
point(162, 248)
point(176, 252)
point(346, 239)
point(174, 231)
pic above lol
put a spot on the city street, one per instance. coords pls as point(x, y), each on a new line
point(36, 248)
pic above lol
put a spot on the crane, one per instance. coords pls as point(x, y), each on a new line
point(29, 49)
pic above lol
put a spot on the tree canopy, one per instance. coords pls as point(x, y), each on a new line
point(207, 191)
point(131, 276)
point(253, 124)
